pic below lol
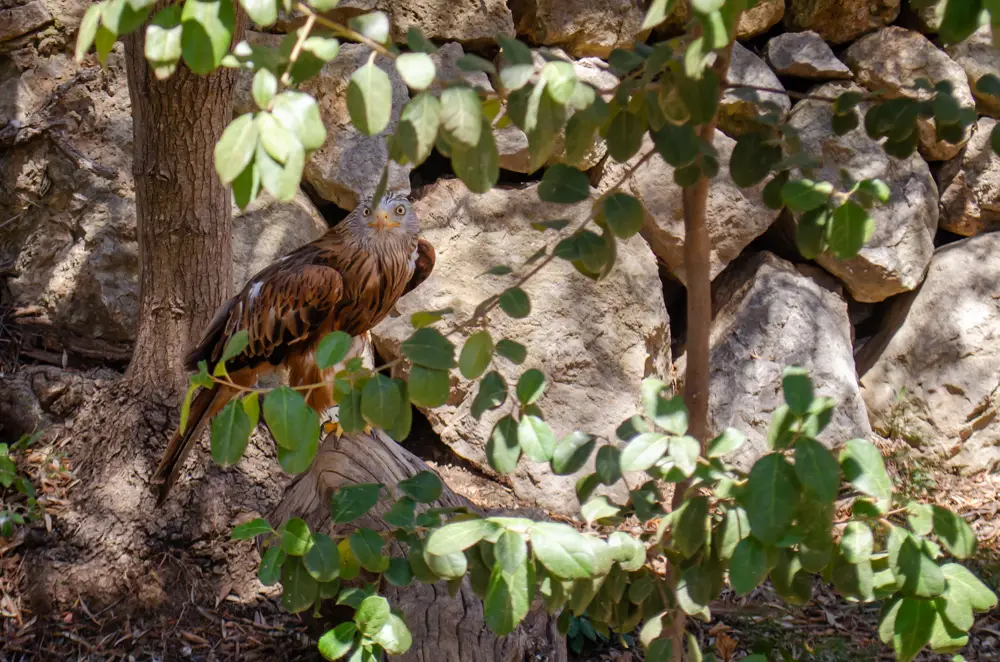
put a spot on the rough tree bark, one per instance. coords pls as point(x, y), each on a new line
point(443, 627)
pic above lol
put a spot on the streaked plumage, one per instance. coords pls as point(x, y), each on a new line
point(347, 280)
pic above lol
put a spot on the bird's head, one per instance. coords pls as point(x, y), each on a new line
point(389, 220)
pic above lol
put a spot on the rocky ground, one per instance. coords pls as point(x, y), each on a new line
point(904, 336)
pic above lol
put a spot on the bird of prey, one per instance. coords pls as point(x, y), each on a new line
point(347, 280)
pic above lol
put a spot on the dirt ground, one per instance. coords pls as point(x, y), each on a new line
point(827, 630)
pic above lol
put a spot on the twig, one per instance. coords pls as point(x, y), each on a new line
point(344, 31)
point(297, 49)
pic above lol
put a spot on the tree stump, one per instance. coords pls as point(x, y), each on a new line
point(444, 628)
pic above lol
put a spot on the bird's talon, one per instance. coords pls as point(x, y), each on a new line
point(368, 430)
point(333, 427)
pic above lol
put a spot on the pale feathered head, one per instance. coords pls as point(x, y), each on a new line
point(389, 221)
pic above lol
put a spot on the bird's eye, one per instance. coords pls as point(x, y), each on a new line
point(400, 210)
point(367, 212)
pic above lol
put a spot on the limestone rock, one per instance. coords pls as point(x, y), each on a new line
point(926, 19)
point(805, 55)
point(23, 19)
point(471, 22)
point(978, 56)
point(349, 163)
point(769, 315)
point(269, 229)
point(738, 110)
point(840, 21)
point(735, 216)
point(942, 345)
point(582, 27)
point(595, 341)
point(761, 18)
point(970, 185)
point(896, 257)
point(892, 59)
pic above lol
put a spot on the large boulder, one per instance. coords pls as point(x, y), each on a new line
point(895, 258)
point(740, 108)
point(23, 19)
point(759, 19)
point(471, 22)
point(892, 59)
point(582, 27)
point(595, 341)
point(268, 229)
point(935, 366)
point(735, 216)
point(840, 21)
point(804, 55)
point(970, 185)
point(349, 163)
point(978, 56)
point(768, 315)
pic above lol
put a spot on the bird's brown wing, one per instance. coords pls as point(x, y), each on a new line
point(282, 308)
point(423, 264)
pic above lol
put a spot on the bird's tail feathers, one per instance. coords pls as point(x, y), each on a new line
point(204, 406)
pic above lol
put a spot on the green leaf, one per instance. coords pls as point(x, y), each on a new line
point(399, 572)
point(531, 386)
point(163, 40)
point(623, 214)
point(292, 423)
point(811, 232)
point(374, 25)
point(472, 63)
point(980, 597)
point(337, 643)
point(88, 30)
point(798, 389)
point(353, 501)
point(416, 41)
point(691, 526)
point(281, 181)
point(380, 401)
point(428, 387)
point(478, 167)
point(643, 451)
point(515, 302)
point(208, 30)
point(299, 588)
point(230, 433)
point(995, 137)
point(771, 497)
point(564, 185)
point(817, 469)
point(236, 147)
point(251, 529)
point(418, 127)
point(572, 453)
point(261, 12)
point(508, 597)
point(670, 414)
point(607, 465)
point(459, 536)
point(851, 228)
point(476, 355)
point(270, 566)
point(502, 449)
point(625, 136)
point(492, 394)
point(295, 537)
point(598, 509)
point(416, 69)
point(734, 528)
point(657, 13)
point(956, 534)
point(366, 545)
point(684, 452)
point(394, 637)
point(373, 613)
point(563, 550)
point(678, 145)
point(536, 438)
point(322, 561)
point(863, 467)
point(333, 349)
point(461, 115)
point(729, 441)
point(914, 624)
point(857, 543)
point(920, 518)
point(960, 20)
point(801, 195)
point(424, 487)
point(511, 350)
point(369, 99)
point(428, 348)
point(922, 578)
point(753, 159)
point(748, 567)
point(265, 86)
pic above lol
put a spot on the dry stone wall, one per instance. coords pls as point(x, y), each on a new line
point(68, 257)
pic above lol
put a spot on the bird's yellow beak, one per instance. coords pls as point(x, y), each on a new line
point(382, 221)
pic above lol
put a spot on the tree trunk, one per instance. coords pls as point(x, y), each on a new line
point(183, 212)
point(443, 627)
